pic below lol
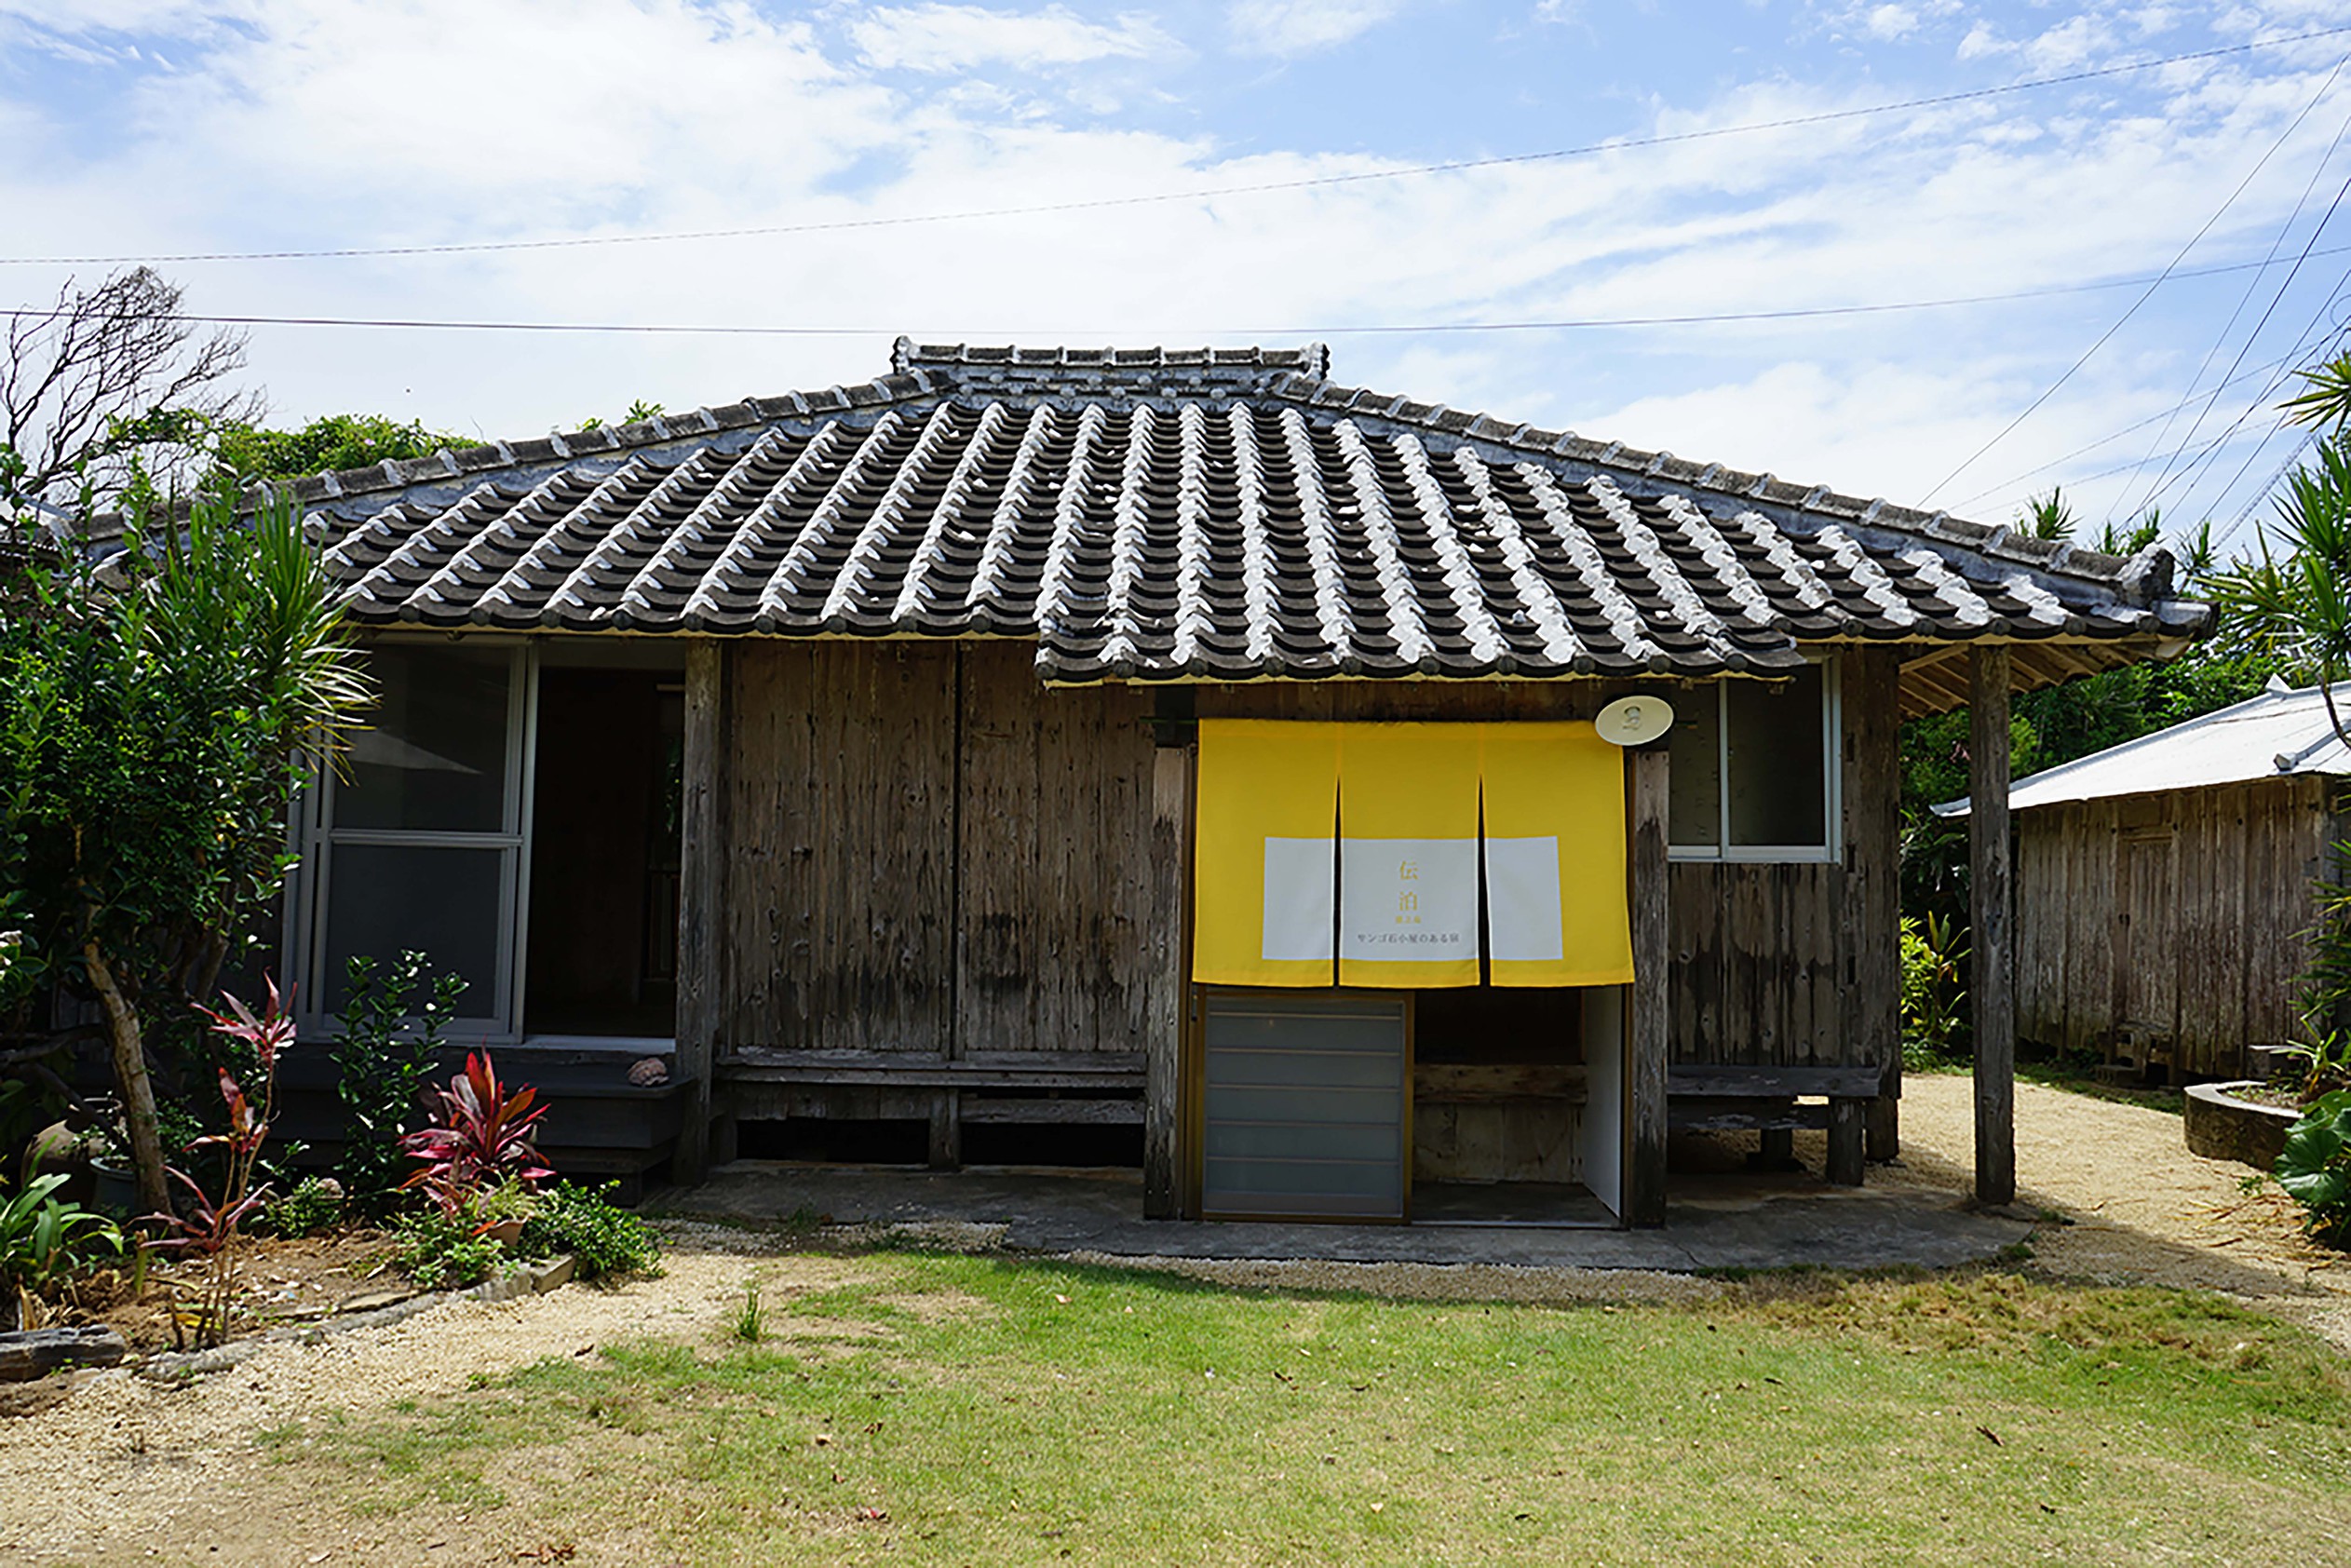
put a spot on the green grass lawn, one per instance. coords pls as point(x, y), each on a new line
point(978, 1411)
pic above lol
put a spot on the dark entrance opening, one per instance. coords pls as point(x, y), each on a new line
point(1498, 1107)
point(603, 909)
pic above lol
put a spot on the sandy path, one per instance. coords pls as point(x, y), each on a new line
point(2144, 1210)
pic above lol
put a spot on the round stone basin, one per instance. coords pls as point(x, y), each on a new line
point(2220, 1126)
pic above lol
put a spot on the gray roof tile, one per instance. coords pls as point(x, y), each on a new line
point(1189, 513)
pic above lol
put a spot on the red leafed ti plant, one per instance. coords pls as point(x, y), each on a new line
point(483, 1138)
point(209, 1228)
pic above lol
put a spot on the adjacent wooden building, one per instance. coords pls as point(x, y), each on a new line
point(857, 737)
point(2166, 887)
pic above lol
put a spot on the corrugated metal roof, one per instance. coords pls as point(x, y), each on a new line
point(1219, 515)
point(2283, 731)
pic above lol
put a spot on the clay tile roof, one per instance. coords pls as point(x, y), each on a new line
point(1205, 514)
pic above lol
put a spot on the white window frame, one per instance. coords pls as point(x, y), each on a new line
point(307, 890)
point(1831, 847)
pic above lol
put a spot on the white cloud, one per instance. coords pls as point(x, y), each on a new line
point(1296, 27)
point(947, 38)
point(1890, 21)
point(309, 126)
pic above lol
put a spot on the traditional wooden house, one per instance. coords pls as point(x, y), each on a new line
point(1175, 742)
point(2166, 887)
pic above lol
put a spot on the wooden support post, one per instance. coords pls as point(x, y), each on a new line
point(1170, 979)
point(1847, 1119)
point(946, 1130)
point(1869, 691)
point(1775, 1148)
point(1993, 938)
point(702, 852)
point(1647, 1031)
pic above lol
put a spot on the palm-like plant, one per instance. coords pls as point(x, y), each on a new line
point(2293, 605)
point(483, 1138)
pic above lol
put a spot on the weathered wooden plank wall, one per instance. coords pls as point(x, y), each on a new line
point(1054, 874)
point(2180, 915)
point(1799, 963)
point(930, 852)
point(841, 837)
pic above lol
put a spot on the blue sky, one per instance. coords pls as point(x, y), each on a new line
point(163, 126)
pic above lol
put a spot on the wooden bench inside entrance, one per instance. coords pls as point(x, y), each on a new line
point(1775, 1102)
point(1096, 1088)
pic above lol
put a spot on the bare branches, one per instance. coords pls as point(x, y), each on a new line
point(111, 379)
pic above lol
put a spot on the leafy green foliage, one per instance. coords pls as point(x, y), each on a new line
point(383, 1057)
point(44, 1238)
point(2293, 605)
point(315, 1204)
point(338, 441)
point(638, 411)
point(2315, 1167)
point(608, 1241)
point(1933, 1016)
point(155, 719)
point(2326, 399)
point(442, 1250)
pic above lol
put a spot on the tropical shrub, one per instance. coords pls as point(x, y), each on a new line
point(156, 713)
point(607, 1241)
point(44, 1239)
point(1932, 999)
point(383, 1062)
point(2315, 1167)
point(209, 1225)
point(482, 1139)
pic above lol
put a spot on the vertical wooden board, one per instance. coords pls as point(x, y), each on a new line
point(843, 756)
point(1695, 991)
point(1869, 926)
point(1057, 873)
point(1166, 982)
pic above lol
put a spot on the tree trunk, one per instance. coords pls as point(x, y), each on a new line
point(130, 1074)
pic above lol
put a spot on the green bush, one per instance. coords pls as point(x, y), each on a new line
point(608, 1241)
point(440, 1251)
point(384, 1052)
point(316, 1203)
point(2315, 1167)
point(1932, 999)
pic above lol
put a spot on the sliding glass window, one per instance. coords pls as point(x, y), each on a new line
point(419, 845)
point(1755, 768)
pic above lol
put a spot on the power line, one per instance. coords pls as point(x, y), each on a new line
point(2203, 461)
point(2252, 285)
point(2110, 437)
point(51, 312)
point(2120, 321)
point(1202, 193)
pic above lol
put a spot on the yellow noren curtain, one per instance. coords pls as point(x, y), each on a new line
point(1264, 869)
point(1408, 854)
point(1555, 855)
